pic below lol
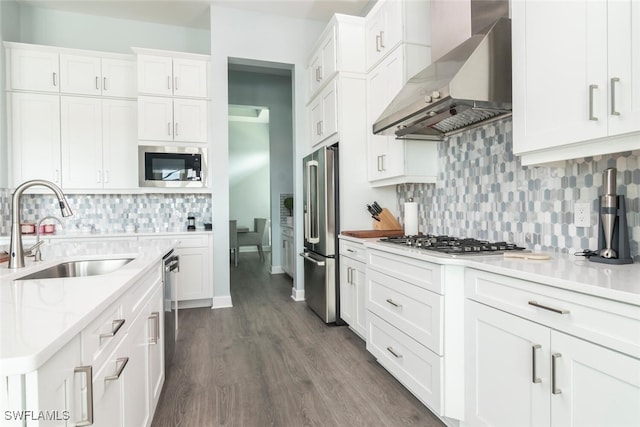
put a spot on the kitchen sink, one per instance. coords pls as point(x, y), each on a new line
point(93, 267)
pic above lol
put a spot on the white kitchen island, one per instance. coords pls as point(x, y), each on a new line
point(84, 348)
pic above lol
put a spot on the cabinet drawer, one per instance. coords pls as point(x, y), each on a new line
point(415, 311)
point(101, 335)
point(419, 369)
point(608, 323)
point(420, 273)
point(193, 241)
point(352, 250)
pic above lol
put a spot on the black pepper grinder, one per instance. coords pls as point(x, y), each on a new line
point(191, 223)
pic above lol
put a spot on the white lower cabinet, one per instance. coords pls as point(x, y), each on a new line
point(194, 278)
point(288, 256)
point(353, 308)
point(529, 371)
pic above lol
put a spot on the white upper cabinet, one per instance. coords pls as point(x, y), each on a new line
point(576, 78)
point(33, 69)
point(70, 71)
point(391, 22)
point(172, 119)
point(172, 76)
point(339, 49)
point(324, 114)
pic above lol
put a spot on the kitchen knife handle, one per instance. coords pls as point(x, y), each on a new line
point(614, 80)
point(591, 89)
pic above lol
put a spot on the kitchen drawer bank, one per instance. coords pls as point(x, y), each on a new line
point(411, 274)
point(61, 336)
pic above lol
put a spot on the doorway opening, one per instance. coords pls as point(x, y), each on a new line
point(261, 171)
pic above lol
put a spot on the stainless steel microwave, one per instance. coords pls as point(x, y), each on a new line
point(172, 167)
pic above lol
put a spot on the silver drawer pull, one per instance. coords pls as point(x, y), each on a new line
point(88, 371)
point(351, 250)
point(591, 89)
point(155, 316)
point(555, 310)
point(115, 327)
point(534, 376)
point(554, 389)
point(123, 362)
point(392, 351)
point(614, 80)
point(393, 303)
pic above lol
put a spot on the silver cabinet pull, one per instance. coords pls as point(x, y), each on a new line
point(123, 362)
point(104, 83)
point(591, 89)
point(57, 177)
point(378, 43)
point(98, 178)
point(382, 46)
point(169, 128)
point(169, 82)
point(392, 351)
point(614, 80)
point(554, 389)
point(155, 316)
point(106, 176)
point(55, 80)
point(115, 327)
point(175, 132)
point(175, 83)
point(393, 303)
point(555, 310)
point(534, 376)
point(88, 372)
point(97, 83)
point(320, 76)
point(351, 250)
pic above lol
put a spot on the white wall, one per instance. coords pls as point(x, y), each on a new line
point(249, 173)
point(242, 34)
point(81, 31)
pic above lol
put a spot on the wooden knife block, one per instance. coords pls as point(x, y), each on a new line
point(387, 221)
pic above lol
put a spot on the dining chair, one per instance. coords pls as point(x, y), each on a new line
point(254, 238)
point(233, 240)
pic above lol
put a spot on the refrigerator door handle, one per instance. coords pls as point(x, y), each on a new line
point(315, 261)
point(312, 214)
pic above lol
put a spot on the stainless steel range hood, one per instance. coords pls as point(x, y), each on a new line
point(469, 85)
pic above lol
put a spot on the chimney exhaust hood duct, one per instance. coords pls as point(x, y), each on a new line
point(467, 86)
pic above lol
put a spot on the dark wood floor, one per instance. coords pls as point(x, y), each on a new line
point(270, 361)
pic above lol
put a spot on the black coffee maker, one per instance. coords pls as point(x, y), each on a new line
point(613, 232)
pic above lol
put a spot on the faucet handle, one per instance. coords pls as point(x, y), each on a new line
point(31, 251)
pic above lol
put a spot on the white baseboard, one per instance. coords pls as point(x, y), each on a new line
point(297, 294)
point(221, 302)
point(194, 303)
point(276, 269)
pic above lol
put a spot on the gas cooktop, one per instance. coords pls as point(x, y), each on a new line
point(453, 246)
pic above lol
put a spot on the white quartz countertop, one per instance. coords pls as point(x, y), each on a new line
point(616, 282)
point(38, 317)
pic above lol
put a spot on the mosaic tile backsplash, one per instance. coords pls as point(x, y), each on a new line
point(484, 192)
point(112, 212)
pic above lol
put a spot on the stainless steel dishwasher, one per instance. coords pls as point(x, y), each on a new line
point(171, 269)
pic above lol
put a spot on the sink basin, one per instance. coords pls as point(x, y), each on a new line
point(93, 267)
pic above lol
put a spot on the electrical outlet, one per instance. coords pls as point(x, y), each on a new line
point(582, 214)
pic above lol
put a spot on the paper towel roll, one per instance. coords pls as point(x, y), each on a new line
point(411, 218)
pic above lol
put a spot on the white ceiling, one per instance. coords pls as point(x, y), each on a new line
point(194, 13)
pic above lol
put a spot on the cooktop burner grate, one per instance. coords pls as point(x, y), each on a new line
point(453, 245)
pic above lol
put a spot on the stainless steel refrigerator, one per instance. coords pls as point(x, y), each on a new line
point(321, 227)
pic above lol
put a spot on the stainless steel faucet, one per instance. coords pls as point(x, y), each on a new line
point(16, 251)
point(37, 254)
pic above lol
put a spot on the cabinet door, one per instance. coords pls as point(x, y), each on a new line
point(190, 120)
point(373, 27)
point(315, 119)
point(108, 389)
point(35, 137)
point(81, 131)
point(155, 118)
point(190, 78)
point(119, 78)
point(35, 70)
point(502, 358)
point(119, 143)
point(193, 280)
point(56, 387)
point(347, 292)
point(155, 347)
point(560, 83)
point(624, 66)
point(594, 385)
point(135, 378)
point(358, 277)
point(155, 75)
point(329, 122)
point(80, 74)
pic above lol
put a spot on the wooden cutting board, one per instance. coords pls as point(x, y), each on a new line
point(363, 234)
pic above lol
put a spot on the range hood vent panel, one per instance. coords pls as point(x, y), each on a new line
point(476, 74)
